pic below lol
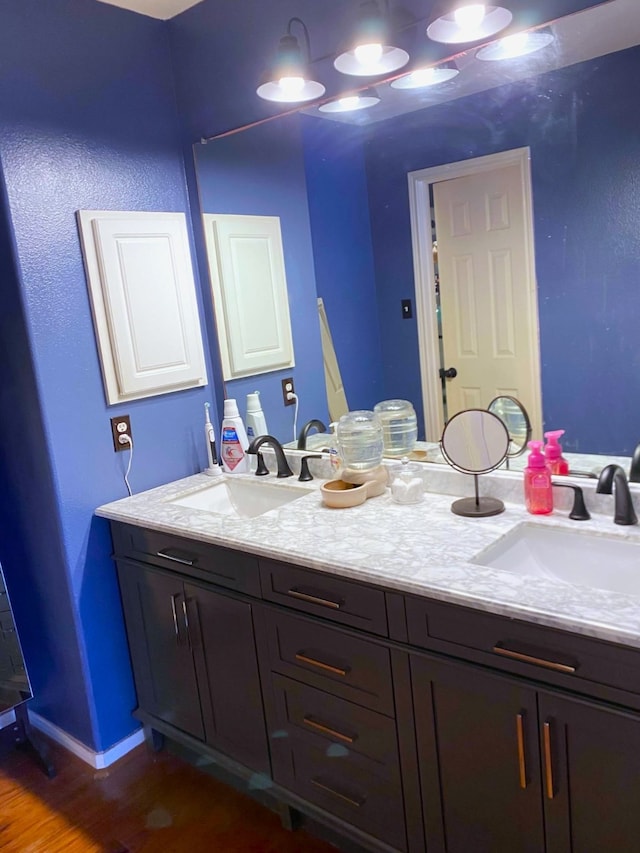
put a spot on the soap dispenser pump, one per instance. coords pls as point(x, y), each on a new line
point(538, 492)
point(556, 463)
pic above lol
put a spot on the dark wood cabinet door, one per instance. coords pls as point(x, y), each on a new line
point(161, 654)
point(591, 770)
point(222, 635)
point(479, 760)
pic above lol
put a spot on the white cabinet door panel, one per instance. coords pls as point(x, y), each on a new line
point(249, 287)
point(144, 302)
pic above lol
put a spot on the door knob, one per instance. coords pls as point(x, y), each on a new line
point(449, 373)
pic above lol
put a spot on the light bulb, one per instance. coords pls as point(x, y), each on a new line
point(422, 77)
point(291, 85)
point(349, 102)
point(470, 17)
point(368, 54)
point(514, 45)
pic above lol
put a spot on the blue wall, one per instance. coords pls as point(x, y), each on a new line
point(89, 121)
point(343, 254)
point(261, 172)
point(584, 134)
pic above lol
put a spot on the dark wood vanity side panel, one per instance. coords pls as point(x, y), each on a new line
point(599, 668)
point(325, 595)
point(224, 567)
point(408, 751)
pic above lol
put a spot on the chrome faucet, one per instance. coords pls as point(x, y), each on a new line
point(613, 479)
point(304, 432)
point(281, 459)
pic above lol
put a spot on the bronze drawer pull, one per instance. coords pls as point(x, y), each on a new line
point(549, 664)
point(186, 620)
point(313, 662)
point(522, 765)
point(175, 615)
point(309, 721)
point(313, 599)
point(167, 556)
point(548, 766)
point(347, 799)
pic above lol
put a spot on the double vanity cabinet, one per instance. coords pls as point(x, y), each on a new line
point(400, 722)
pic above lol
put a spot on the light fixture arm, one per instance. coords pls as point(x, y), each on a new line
point(305, 32)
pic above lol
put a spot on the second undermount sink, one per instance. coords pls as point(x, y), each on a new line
point(240, 498)
point(585, 559)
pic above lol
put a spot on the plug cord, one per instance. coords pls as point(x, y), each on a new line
point(293, 396)
point(124, 439)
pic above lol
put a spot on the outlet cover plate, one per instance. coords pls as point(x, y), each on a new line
point(117, 430)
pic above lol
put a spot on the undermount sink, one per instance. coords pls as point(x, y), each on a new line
point(240, 498)
point(585, 559)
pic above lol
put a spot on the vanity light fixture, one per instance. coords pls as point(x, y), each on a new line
point(350, 103)
point(469, 22)
point(422, 77)
point(518, 44)
point(370, 53)
point(290, 80)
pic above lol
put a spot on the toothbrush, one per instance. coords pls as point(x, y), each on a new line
point(211, 441)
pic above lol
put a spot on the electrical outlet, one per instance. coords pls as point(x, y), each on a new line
point(287, 388)
point(121, 427)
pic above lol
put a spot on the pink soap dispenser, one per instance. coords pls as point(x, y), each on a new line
point(556, 462)
point(538, 493)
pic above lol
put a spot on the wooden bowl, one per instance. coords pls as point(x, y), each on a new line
point(339, 495)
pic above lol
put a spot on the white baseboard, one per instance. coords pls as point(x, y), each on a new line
point(97, 760)
point(7, 718)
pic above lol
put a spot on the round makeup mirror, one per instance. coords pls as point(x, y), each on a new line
point(516, 419)
point(475, 441)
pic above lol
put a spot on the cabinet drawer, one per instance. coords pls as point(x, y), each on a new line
point(536, 649)
point(325, 595)
point(222, 566)
point(345, 785)
point(322, 720)
point(322, 656)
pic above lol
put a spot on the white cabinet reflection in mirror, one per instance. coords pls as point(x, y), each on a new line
point(249, 287)
point(143, 299)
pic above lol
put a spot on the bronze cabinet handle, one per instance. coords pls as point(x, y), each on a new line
point(522, 761)
point(314, 599)
point(548, 761)
point(186, 620)
point(549, 664)
point(327, 730)
point(184, 561)
point(174, 597)
point(320, 664)
point(347, 799)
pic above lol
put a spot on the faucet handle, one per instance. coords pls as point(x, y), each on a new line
point(579, 511)
point(261, 470)
point(305, 474)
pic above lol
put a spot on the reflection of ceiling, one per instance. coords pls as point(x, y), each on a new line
point(162, 9)
point(585, 35)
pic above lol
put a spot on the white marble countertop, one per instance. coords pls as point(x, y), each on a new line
point(423, 549)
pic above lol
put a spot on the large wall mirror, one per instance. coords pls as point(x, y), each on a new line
point(340, 186)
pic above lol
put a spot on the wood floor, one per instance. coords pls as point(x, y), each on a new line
point(146, 802)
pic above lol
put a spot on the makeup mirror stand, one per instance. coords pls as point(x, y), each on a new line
point(477, 507)
point(475, 441)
